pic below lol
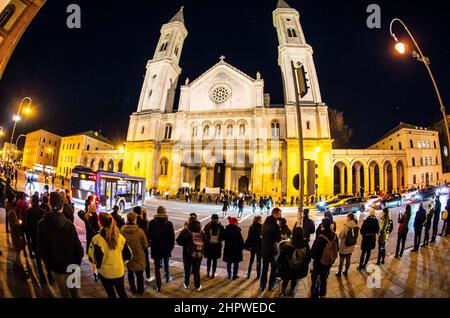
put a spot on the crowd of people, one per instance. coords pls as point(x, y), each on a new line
point(43, 230)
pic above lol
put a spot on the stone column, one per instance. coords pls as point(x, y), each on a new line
point(357, 179)
point(342, 179)
point(372, 179)
point(228, 177)
point(203, 177)
point(349, 180)
point(394, 179)
point(366, 180)
point(381, 175)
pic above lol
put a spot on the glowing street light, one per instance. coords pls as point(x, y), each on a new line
point(318, 149)
point(400, 47)
point(17, 118)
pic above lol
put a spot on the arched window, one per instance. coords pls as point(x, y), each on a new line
point(164, 166)
point(418, 144)
point(437, 176)
point(413, 162)
point(437, 162)
point(142, 130)
point(138, 166)
point(206, 131)
point(6, 14)
point(275, 130)
point(428, 145)
point(176, 50)
point(421, 161)
point(411, 144)
point(110, 165)
point(392, 147)
point(85, 162)
point(292, 33)
point(430, 161)
point(218, 130)
point(399, 146)
point(241, 130)
point(431, 176)
point(92, 164)
point(120, 166)
point(445, 151)
point(194, 131)
point(424, 144)
point(163, 47)
point(101, 165)
point(414, 179)
point(423, 178)
point(434, 144)
point(168, 132)
point(230, 130)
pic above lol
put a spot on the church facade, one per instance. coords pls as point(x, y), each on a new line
point(224, 133)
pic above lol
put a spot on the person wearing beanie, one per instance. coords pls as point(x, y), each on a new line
point(213, 248)
point(324, 252)
point(34, 215)
point(161, 234)
point(137, 241)
point(59, 245)
point(369, 231)
point(234, 245)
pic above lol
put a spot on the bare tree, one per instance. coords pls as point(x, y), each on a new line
point(340, 131)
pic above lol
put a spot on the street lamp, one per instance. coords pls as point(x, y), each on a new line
point(17, 118)
point(401, 48)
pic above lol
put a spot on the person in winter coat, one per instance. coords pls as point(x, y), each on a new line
point(268, 204)
point(6, 191)
point(45, 204)
point(192, 239)
point(234, 244)
point(427, 226)
point(34, 215)
point(329, 215)
point(117, 217)
point(308, 225)
point(419, 221)
point(294, 259)
point(59, 245)
point(225, 206)
point(385, 223)
point(91, 225)
point(403, 228)
point(108, 254)
point(254, 204)
point(369, 231)
point(68, 211)
point(137, 241)
point(213, 248)
point(271, 236)
point(241, 203)
point(445, 228)
point(143, 224)
point(347, 242)
point(262, 204)
point(253, 244)
point(16, 228)
point(324, 253)
point(436, 217)
point(162, 241)
point(284, 230)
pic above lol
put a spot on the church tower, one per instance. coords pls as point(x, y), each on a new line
point(163, 70)
point(293, 47)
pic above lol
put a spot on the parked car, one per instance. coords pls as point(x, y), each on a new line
point(443, 189)
point(322, 206)
point(348, 205)
point(409, 195)
point(389, 201)
point(426, 194)
point(372, 198)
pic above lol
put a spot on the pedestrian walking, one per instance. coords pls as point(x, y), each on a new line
point(213, 247)
point(427, 226)
point(241, 203)
point(162, 241)
point(136, 239)
point(254, 204)
point(117, 217)
point(271, 236)
point(403, 228)
point(386, 227)
point(419, 221)
point(253, 244)
point(324, 253)
point(59, 246)
point(294, 259)
point(108, 254)
point(369, 231)
point(262, 204)
point(268, 205)
point(234, 245)
point(225, 206)
point(192, 239)
point(436, 217)
point(348, 237)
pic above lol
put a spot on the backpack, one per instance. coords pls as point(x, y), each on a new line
point(444, 215)
point(213, 239)
point(390, 227)
point(298, 258)
point(198, 245)
point(352, 236)
point(330, 252)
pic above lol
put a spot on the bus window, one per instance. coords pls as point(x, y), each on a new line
point(87, 185)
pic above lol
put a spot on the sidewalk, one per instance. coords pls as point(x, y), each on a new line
point(416, 275)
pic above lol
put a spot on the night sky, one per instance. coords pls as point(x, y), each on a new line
point(90, 79)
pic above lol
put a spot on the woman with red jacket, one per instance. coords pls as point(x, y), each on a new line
point(403, 223)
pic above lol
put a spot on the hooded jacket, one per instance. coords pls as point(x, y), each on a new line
point(58, 243)
point(34, 215)
point(110, 262)
point(343, 248)
point(137, 241)
point(162, 236)
point(234, 244)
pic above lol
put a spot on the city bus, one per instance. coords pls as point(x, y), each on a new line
point(110, 188)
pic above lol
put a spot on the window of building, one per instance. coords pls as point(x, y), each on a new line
point(434, 142)
point(164, 166)
point(399, 146)
point(218, 130)
point(78, 146)
point(64, 146)
point(392, 147)
point(421, 161)
point(445, 151)
point(138, 166)
point(230, 130)
point(426, 161)
point(430, 161)
point(437, 175)
point(88, 147)
point(431, 176)
point(168, 132)
point(275, 130)
point(428, 145)
point(120, 166)
point(414, 179)
point(194, 131)
point(101, 164)
point(292, 33)
point(163, 47)
point(206, 131)
point(419, 144)
point(241, 130)
point(6, 14)
point(423, 178)
point(41, 153)
point(413, 162)
point(176, 50)
point(308, 125)
point(142, 130)
point(437, 162)
point(411, 144)
point(424, 144)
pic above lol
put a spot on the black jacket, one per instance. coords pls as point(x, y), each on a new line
point(308, 227)
point(213, 250)
point(254, 238)
point(118, 219)
point(369, 231)
point(437, 213)
point(286, 250)
point(185, 240)
point(234, 244)
point(68, 212)
point(319, 246)
point(90, 224)
point(162, 237)
point(58, 243)
point(419, 220)
point(271, 236)
point(34, 215)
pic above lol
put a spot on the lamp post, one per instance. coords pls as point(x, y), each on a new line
point(16, 118)
point(401, 48)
